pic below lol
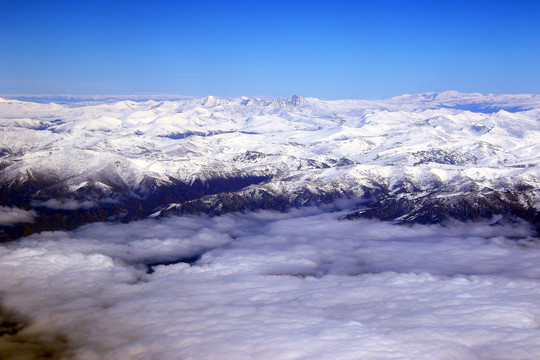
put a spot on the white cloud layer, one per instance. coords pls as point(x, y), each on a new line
point(13, 215)
point(302, 285)
point(65, 204)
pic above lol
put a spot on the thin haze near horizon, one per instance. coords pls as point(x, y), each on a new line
point(329, 50)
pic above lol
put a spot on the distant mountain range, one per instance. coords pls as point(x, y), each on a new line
point(421, 158)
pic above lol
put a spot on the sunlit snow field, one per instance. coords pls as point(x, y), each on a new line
point(301, 285)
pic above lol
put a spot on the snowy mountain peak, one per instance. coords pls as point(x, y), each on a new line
point(295, 100)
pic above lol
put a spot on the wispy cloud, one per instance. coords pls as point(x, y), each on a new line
point(65, 204)
point(12, 215)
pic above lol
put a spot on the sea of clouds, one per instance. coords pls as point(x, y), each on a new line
point(265, 285)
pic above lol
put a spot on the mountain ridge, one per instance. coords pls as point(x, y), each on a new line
point(136, 159)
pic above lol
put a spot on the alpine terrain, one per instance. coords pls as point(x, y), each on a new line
point(425, 158)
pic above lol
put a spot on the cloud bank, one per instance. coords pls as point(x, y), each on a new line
point(302, 285)
point(12, 215)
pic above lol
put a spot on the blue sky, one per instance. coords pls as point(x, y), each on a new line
point(324, 49)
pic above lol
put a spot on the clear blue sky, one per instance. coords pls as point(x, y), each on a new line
point(325, 49)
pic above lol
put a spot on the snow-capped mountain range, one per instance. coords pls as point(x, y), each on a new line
point(414, 158)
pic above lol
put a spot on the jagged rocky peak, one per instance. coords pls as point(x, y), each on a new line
point(244, 100)
point(295, 100)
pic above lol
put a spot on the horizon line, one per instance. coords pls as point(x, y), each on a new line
point(172, 97)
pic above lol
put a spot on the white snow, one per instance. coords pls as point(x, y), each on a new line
point(177, 138)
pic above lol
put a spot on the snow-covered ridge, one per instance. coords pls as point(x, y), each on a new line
point(476, 101)
point(282, 147)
